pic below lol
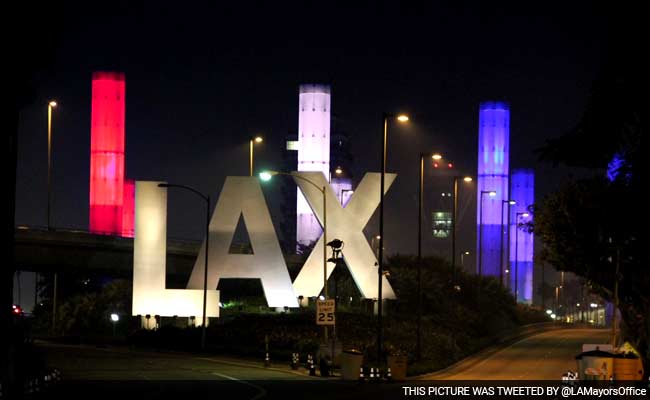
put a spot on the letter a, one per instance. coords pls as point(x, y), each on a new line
point(243, 196)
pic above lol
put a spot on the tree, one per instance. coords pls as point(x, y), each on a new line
point(590, 225)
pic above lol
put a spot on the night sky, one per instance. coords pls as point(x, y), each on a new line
point(201, 79)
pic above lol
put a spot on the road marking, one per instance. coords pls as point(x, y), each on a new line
point(261, 391)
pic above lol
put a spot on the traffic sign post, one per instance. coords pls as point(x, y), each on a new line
point(325, 312)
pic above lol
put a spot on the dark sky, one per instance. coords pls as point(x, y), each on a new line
point(202, 77)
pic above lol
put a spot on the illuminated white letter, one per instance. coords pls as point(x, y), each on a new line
point(243, 196)
point(345, 224)
point(149, 258)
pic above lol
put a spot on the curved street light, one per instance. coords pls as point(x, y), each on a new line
point(207, 248)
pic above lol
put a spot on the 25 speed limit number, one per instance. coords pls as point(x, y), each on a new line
point(325, 312)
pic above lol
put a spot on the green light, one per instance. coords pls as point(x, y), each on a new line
point(266, 176)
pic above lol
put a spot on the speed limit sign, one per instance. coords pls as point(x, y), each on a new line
point(325, 312)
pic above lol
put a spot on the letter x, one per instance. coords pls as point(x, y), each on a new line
point(345, 224)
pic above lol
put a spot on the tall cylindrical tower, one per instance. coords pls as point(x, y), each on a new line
point(521, 254)
point(107, 153)
point(313, 150)
point(493, 164)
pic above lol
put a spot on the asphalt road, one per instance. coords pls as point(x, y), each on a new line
point(122, 364)
point(544, 356)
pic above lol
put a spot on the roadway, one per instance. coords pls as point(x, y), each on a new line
point(544, 356)
point(90, 372)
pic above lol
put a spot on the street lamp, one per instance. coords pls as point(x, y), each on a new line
point(490, 193)
point(114, 319)
point(462, 258)
point(266, 176)
point(256, 139)
point(380, 262)
point(509, 203)
point(50, 107)
point(525, 215)
point(435, 156)
point(207, 248)
point(466, 179)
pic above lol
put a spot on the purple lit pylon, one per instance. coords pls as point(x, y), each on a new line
point(521, 254)
point(493, 169)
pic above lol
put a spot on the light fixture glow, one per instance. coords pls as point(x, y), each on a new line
point(266, 175)
point(436, 156)
point(467, 179)
point(338, 171)
point(512, 202)
point(258, 139)
point(492, 193)
point(549, 312)
point(115, 317)
point(525, 215)
point(403, 118)
point(52, 103)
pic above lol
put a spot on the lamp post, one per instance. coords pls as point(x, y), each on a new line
point(509, 203)
point(207, 248)
point(251, 145)
point(454, 213)
point(50, 107)
point(380, 262)
point(490, 193)
point(267, 175)
point(462, 258)
point(517, 215)
point(114, 320)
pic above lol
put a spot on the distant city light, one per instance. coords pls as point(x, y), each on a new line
point(115, 317)
point(549, 312)
point(321, 297)
point(553, 316)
